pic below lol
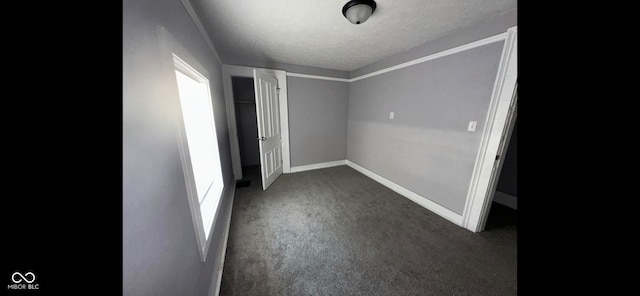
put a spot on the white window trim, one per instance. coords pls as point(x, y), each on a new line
point(177, 57)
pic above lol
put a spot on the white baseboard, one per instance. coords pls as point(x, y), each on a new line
point(506, 199)
point(316, 166)
point(216, 280)
point(419, 199)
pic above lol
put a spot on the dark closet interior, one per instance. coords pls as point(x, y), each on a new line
point(503, 212)
point(246, 121)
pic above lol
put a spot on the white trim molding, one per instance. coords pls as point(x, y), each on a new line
point(419, 199)
point(317, 166)
point(196, 20)
point(292, 74)
point(175, 56)
point(216, 279)
point(444, 53)
point(434, 56)
point(242, 71)
point(502, 98)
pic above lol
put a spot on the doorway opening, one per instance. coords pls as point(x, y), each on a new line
point(247, 126)
point(503, 212)
point(270, 97)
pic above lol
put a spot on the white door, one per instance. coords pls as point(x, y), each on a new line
point(269, 138)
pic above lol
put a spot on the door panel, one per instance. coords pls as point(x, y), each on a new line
point(268, 113)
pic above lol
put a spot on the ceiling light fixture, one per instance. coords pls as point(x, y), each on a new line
point(358, 11)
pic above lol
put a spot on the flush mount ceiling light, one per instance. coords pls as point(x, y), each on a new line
point(358, 11)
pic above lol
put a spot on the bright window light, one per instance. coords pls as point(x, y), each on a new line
point(199, 127)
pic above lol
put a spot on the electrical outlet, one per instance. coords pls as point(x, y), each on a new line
point(391, 114)
point(472, 126)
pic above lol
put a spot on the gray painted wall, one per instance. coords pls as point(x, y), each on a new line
point(160, 251)
point(508, 182)
point(426, 148)
point(480, 30)
point(247, 122)
point(317, 120)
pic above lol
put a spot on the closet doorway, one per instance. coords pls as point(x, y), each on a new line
point(504, 208)
point(247, 126)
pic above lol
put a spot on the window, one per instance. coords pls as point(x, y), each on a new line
point(199, 149)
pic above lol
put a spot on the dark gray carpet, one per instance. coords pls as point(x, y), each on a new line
point(336, 232)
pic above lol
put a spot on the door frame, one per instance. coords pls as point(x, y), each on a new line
point(479, 196)
point(502, 152)
point(243, 71)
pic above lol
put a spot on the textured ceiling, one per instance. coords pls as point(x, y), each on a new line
point(315, 33)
